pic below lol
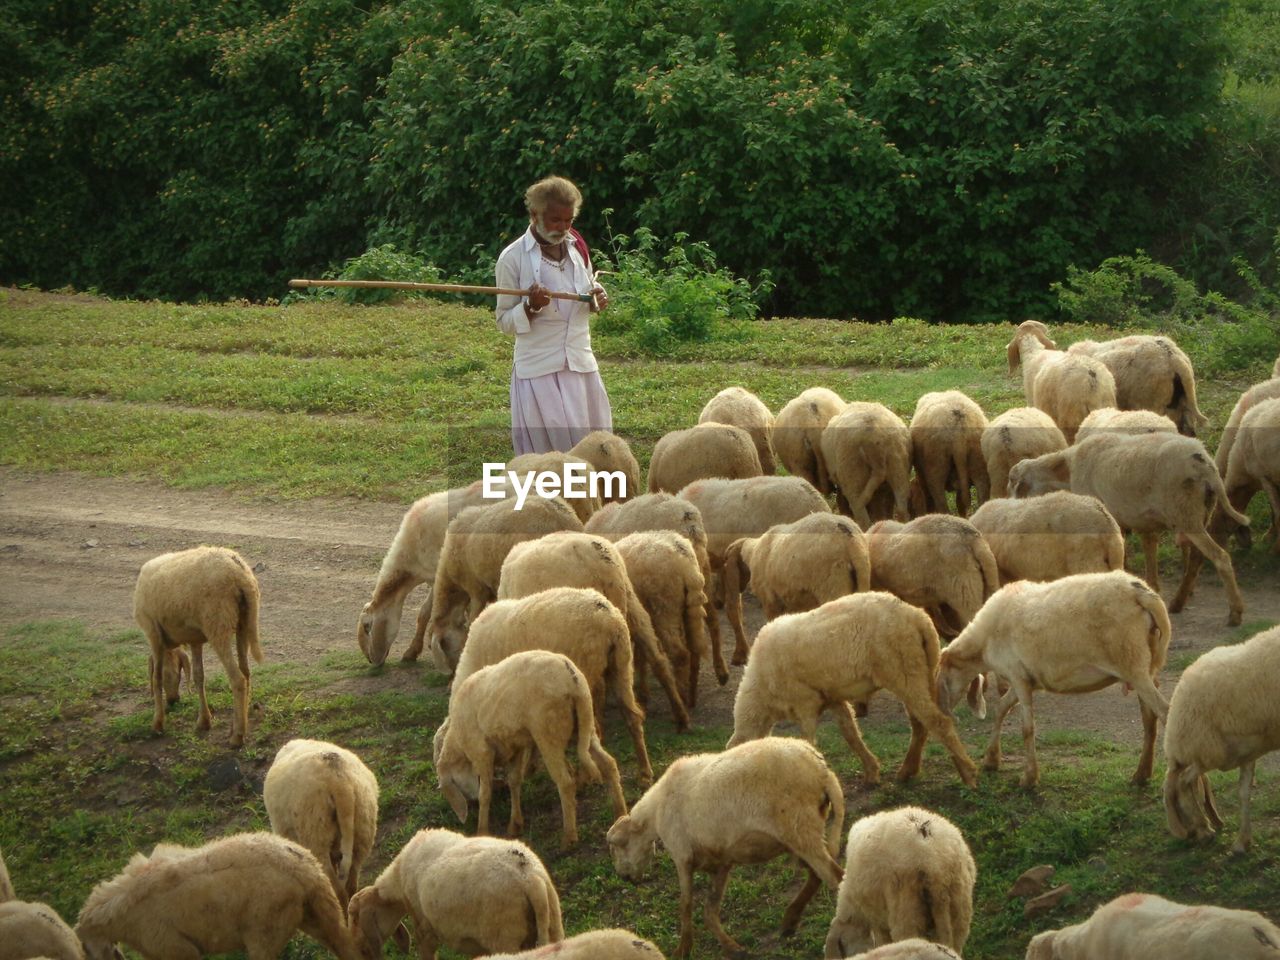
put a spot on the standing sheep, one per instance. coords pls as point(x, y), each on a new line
point(707, 450)
point(31, 930)
point(323, 797)
point(1067, 386)
point(797, 434)
point(1267, 390)
point(746, 805)
point(1016, 435)
point(742, 408)
point(193, 597)
point(1254, 462)
point(908, 873)
point(609, 453)
point(477, 895)
point(867, 446)
point(1034, 349)
point(593, 945)
point(1111, 420)
point(1151, 373)
point(1050, 536)
point(528, 466)
point(946, 448)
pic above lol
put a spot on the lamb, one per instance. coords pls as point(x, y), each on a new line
point(746, 805)
point(1151, 373)
point(476, 895)
point(475, 545)
point(579, 623)
point(795, 567)
point(193, 597)
point(797, 434)
point(1035, 350)
point(946, 448)
point(323, 797)
point(1148, 483)
point(742, 408)
point(707, 450)
point(913, 949)
point(593, 945)
point(1050, 536)
point(560, 464)
point(1223, 715)
point(1014, 436)
point(908, 873)
point(804, 663)
point(1065, 385)
point(33, 929)
point(1109, 419)
point(609, 453)
point(866, 446)
point(1267, 390)
point(1143, 926)
point(1073, 635)
point(571, 559)
point(499, 714)
point(248, 892)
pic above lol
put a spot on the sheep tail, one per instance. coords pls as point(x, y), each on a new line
point(624, 674)
point(1214, 481)
point(584, 714)
point(247, 628)
point(1161, 627)
point(732, 575)
point(834, 795)
point(695, 617)
point(987, 564)
point(344, 810)
point(539, 900)
point(1184, 382)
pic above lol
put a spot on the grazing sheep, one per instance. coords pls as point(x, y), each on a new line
point(499, 714)
point(797, 434)
point(1143, 926)
point(1267, 390)
point(1149, 483)
point(1073, 635)
point(579, 623)
point(571, 559)
point(1151, 373)
point(908, 873)
point(1111, 420)
point(1050, 536)
point(323, 797)
point(946, 448)
point(1035, 350)
point(795, 567)
point(249, 892)
point(476, 895)
point(866, 446)
point(1223, 715)
point(528, 465)
point(593, 945)
point(707, 450)
point(913, 949)
point(742, 408)
point(475, 545)
point(804, 663)
point(34, 930)
point(666, 576)
point(1071, 389)
point(1016, 435)
point(746, 805)
point(193, 597)
point(609, 453)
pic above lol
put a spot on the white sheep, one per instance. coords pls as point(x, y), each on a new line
point(1034, 349)
point(593, 945)
point(528, 466)
point(1151, 373)
point(1074, 635)
point(1149, 483)
point(1143, 926)
point(34, 930)
point(908, 873)
point(477, 895)
point(913, 949)
point(609, 453)
point(499, 714)
point(1254, 462)
point(707, 450)
point(1014, 436)
point(249, 892)
point(1071, 389)
point(797, 434)
point(1050, 536)
point(1111, 420)
point(1223, 715)
point(1267, 390)
point(805, 663)
point(742, 408)
point(867, 446)
point(746, 805)
point(794, 567)
point(323, 797)
point(193, 597)
point(572, 559)
point(946, 448)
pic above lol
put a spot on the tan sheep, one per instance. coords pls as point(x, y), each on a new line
point(1034, 349)
point(1111, 420)
point(249, 892)
point(867, 446)
point(742, 408)
point(1149, 483)
point(323, 797)
point(797, 434)
point(946, 448)
point(571, 559)
point(1143, 926)
point(707, 450)
point(805, 663)
point(1255, 462)
point(528, 465)
point(795, 567)
point(499, 714)
point(475, 545)
point(193, 597)
point(34, 930)
point(1151, 373)
point(1224, 714)
point(913, 949)
point(908, 873)
point(609, 453)
point(1014, 436)
point(1071, 389)
point(1267, 390)
point(594, 945)
point(579, 623)
point(1050, 536)
point(712, 811)
point(1074, 635)
point(477, 895)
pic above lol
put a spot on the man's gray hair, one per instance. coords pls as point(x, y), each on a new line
point(551, 190)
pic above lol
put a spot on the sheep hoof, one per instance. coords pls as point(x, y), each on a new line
point(1030, 780)
point(991, 762)
point(1238, 850)
point(737, 661)
point(1234, 618)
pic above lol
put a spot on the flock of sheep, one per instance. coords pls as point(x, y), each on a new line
point(541, 613)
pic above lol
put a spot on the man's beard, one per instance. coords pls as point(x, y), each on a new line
point(551, 236)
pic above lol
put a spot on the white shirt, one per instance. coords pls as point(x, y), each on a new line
point(559, 336)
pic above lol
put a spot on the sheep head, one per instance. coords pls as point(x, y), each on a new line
point(376, 630)
point(1043, 474)
point(373, 918)
point(631, 847)
point(96, 948)
point(847, 938)
point(957, 676)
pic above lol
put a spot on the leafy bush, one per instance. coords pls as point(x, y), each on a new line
point(385, 263)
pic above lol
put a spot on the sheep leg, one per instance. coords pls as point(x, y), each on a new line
point(425, 939)
point(1245, 838)
point(1221, 561)
point(1210, 809)
point(711, 912)
point(197, 677)
point(644, 639)
point(1150, 545)
point(635, 724)
point(484, 773)
point(712, 617)
point(1030, 775)
point(795, 909)
point(684, 872)
point(156, 670)
point(609, 769)
point(640, 675)
point(1147, 760)
point(516, 771)
point(853, 736)
point(560, 774)
point(423, 621)
point(942, 727)
point(915, 750)
point(935, 484)
point(991, 760)
point(239, 695)
point(733, 607)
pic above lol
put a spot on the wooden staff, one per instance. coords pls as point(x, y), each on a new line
point(437, 288)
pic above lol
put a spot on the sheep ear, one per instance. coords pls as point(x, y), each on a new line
point(457, 801)
point(944, 700)
point(978, 702)
point(401, 936)
point(1014, 355)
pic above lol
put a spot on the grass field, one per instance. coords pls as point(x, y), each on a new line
point(390, 403)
